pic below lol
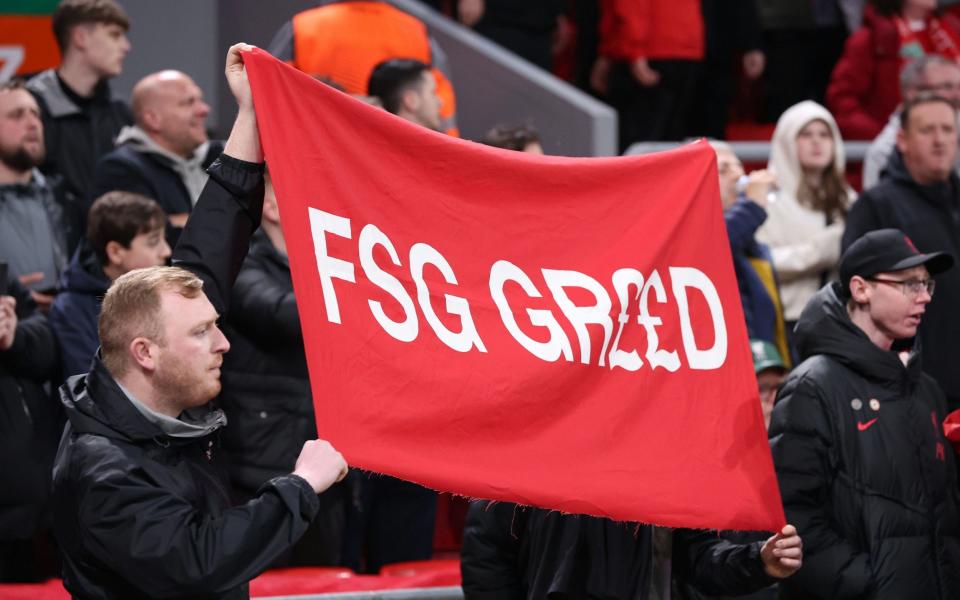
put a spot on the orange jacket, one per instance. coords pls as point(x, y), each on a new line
point(654, 29)
point(344, 41)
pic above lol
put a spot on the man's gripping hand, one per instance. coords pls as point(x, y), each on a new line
point(782, 554)
point(320, 465)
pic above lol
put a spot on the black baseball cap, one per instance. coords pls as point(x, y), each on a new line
point(886, 250)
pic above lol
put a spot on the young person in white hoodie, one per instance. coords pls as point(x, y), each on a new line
point(805, 222)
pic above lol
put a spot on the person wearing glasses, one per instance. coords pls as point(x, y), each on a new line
point(921, 196)
point(865, 471)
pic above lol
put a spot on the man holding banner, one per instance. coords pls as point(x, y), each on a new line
point(857, 434)
point(559, 333)
point(141, 500)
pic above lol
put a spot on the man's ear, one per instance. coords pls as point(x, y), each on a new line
point(901, 139)
point(144, 352)
point(79, 36)
point(150, 120)
point(115, 253)
point(411, 100)
point(859, 290)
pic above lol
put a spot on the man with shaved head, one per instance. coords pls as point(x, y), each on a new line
point(165, 154)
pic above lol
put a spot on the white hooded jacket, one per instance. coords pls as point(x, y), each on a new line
point(803, 245)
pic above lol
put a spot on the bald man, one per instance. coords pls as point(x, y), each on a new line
point(165, 154)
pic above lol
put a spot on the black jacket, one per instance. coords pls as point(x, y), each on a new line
point(865, 472)
point(930, 216)
point(516, 553)
point(141, 514)
point(76, 134)
point(267, 397)
point(146, 174)
point(30, 420)
point(266, 389)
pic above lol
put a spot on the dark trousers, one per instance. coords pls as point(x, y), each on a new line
point(391, 521)
point(653, 113)
point(534, 45)
point(799, 64)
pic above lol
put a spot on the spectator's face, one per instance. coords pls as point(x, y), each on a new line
point(180, 114)
point(926, 5)
point(21, 131)
point(730, 169)
point(188, 366)
point(147, 249)
point(895, 309)
point(428, 111)
point(928, 142)
point(768, 381)
point(104, 46)
point(942, 80)
point(533, 148)
point(815, 146)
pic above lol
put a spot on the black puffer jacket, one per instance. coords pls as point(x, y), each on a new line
point(865, 472)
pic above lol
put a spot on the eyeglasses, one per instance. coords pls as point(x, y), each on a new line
point(946, 86)
point(910, 287)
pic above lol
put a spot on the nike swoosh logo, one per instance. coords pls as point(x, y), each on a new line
point(866, 426)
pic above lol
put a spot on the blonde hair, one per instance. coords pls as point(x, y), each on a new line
point(131, 309)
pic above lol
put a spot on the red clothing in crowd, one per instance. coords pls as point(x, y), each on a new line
point(864, 89)
point(654, 29)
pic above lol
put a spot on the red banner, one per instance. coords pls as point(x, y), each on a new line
point(558, 332)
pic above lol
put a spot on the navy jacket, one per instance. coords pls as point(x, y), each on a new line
point(743, 219)
point(75, 311)
point(147, 174)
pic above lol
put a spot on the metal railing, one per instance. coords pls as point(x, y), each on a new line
point(440, 593)
point(752, 152)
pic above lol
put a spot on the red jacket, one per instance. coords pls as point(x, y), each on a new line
point(864, 89)
point(654, 29)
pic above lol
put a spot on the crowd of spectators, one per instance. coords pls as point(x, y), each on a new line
point(837, 293)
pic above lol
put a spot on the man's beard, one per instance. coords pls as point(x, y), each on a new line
point(20, 160)
point(178, 383)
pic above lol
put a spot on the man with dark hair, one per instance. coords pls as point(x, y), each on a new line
point(165, 155)
point(343, 40)
point(141, 502)
point(124, 232)
point(932, 74)
point(30, 424)
point(80, 118)
point(522, 138)
point(857, 435)
point(38, 226)
point(921, 196)
point(407, 89)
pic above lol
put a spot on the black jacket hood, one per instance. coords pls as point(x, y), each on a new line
point(940, 193)
point(114, 416)
point(825, 328)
